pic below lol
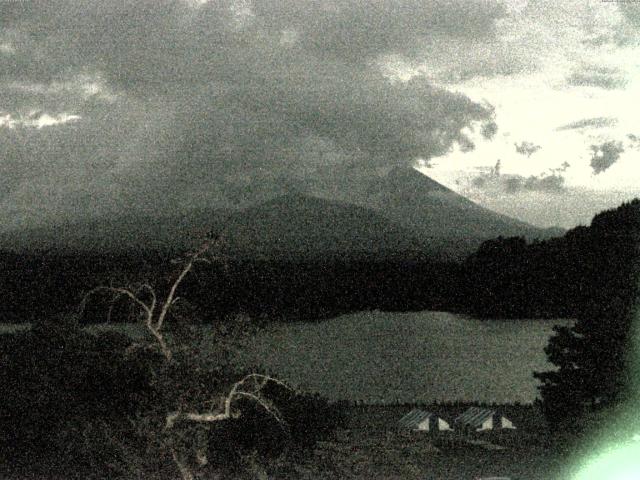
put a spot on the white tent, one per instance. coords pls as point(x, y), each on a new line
point(424, 421)
point(480, 419)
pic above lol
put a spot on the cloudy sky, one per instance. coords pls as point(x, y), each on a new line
point(160, 106)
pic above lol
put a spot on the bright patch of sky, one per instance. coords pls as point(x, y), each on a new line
point(534, 108)
point(571, 104)
point(7, 48)
point(37, 120)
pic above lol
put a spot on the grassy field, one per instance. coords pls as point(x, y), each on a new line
point(370, 446)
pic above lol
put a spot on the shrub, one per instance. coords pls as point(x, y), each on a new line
point(60, 382)
point(91, 404)
point(307, 419)
point(113, 407)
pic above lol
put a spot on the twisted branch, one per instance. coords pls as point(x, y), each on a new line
point(153, 322)
point(234, 394)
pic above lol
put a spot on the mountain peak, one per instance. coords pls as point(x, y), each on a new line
point(406, 177)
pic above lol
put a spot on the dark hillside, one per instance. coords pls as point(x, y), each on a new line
point(451, 222)
point(561, 277)
point(303, 227)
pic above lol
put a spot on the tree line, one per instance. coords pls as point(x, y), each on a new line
point(505, 278)
point(596, 357)
point(39, 284)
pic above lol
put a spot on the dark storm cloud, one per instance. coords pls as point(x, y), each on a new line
point(76, 168)
point(527, 148)
point(138, 41)
point(197, 105)
point(545, 183)
point(605, 155)
point(489, 130)
point(358, 31)
point(631, 11)
point(597, 76)
point(596, 122)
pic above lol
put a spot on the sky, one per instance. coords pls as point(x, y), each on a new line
point(158, 107)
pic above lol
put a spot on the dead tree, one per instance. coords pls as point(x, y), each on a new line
point(155, 312)
point(154, 317)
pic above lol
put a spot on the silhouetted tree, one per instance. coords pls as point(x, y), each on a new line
point(496, 277)
point(592, 355)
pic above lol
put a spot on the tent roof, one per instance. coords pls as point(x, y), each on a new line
point(475, 416)
point(415, 417)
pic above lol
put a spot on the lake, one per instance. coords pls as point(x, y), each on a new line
point(382, 357)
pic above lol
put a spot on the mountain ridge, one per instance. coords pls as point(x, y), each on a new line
point(404, 212)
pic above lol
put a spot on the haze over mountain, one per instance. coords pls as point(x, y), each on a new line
point(113, 108)
point(404, 212)
point(119, 233)
point(309, 226)
point(451, 222)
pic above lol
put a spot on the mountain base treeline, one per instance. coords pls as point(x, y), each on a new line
point(39, 285)
point(504, 278)
point(570, 276)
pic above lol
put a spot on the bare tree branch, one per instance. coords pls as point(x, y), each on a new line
point(152, 324)
point(266, 379)
point(166, 351)
point(233, 395)
point(172, 292)
point(111, 306)
point(249, 387)
point(148, 288)
point(271, 409)
point(120, 291)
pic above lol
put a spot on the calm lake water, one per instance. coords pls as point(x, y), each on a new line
point(410, 357)
point(380, 357)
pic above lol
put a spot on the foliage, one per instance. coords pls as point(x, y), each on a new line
point(60, 382)
point(107, 406)
point(38, 284)
point(592, 356)
point(91, 404)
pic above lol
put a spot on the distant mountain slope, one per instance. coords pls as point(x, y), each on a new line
point(404, 213)
point(447, 220)
point(309, 226)
point(119, 233)
point(291, 225)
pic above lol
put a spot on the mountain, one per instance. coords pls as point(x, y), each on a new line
point(403, 213)
point(119, 233)
point(297, 225)
point(292, 226)
point(449, 222)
